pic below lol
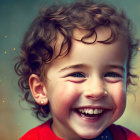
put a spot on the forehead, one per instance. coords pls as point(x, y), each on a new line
point(83, 53)
point(102, 33)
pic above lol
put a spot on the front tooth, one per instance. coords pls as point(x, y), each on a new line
point(86, 111)
point(90, 111)
point(96, 111)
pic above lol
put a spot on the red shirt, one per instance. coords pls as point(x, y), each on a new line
point(44, 132)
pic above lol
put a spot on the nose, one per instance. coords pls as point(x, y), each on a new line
point(95, 90)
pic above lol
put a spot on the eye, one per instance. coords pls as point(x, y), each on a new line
point(113, 77)
point(112, 74)
point(77, 74)
point(76, 77)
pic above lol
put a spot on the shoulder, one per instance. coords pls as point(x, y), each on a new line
point(37, 132)
point(122, 133)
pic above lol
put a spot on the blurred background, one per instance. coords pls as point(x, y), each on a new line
point(15, 17)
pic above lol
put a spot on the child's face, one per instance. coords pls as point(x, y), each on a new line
point(76, 86)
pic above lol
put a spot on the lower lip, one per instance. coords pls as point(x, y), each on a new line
point(88, 119)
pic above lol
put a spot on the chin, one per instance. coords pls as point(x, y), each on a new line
point(90, 135)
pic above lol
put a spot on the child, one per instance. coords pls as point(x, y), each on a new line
point(76, 58)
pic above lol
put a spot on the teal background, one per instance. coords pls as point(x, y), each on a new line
point(15, 17)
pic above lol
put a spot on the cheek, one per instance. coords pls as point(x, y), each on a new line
point(118, 93)
point(119, 99)
point(63, 97)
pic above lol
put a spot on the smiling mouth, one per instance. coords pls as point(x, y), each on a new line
point(90, 113)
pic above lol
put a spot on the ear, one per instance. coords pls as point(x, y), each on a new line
point(38, 90)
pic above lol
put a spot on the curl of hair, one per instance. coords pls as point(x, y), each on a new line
point(39, 43)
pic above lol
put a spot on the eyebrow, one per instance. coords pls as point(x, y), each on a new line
point(117, 67)
point(76, 66)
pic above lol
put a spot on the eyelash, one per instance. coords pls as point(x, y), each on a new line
point(112, 74)
point(111, 77)
point(77, 74)
point(109, 74)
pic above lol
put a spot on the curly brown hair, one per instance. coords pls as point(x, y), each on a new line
point(37, 49)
